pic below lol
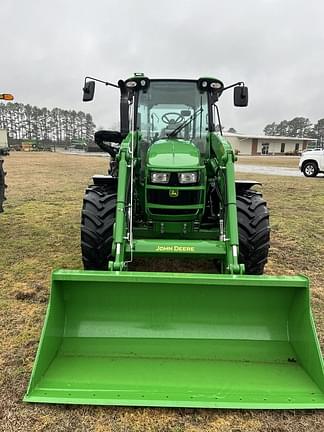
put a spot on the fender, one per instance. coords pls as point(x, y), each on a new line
point(99, 180)
point(241, 185)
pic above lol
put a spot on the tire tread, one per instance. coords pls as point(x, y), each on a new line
point(254, 231)
point(97, 222)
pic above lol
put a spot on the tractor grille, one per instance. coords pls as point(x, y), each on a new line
point(173, 212)
point(162, 197)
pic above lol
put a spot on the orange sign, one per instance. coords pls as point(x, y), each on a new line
point(6, 96)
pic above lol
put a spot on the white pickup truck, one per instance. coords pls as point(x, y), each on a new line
point(312, 162)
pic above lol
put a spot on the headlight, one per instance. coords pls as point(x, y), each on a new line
point(216, 85)
point(158, 177)
point(131, 84)
point(187, 177)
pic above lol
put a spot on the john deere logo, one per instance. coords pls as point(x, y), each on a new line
point(173, 193)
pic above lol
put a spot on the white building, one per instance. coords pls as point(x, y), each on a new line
point(272, 145)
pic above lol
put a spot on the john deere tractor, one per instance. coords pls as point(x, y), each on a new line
point(232, 338)
point(180, 188)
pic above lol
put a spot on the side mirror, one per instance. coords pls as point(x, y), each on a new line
point(88, 91)
point(241, 96)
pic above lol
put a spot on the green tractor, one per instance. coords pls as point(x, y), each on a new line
point(230, 339)
point(176, 189)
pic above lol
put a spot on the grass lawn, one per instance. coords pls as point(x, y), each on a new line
point(39, 231)
point(278, 161)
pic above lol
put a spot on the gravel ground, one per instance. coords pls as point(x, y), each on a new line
point(267, 170)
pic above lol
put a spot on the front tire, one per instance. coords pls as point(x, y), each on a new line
point(310, 169)
point(97, 223)
point(254, 231)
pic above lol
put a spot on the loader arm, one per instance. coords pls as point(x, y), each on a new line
point(124, 212)
point(222, 165)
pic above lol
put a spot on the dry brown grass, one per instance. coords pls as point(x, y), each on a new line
point(39, 231)
point(280, 161)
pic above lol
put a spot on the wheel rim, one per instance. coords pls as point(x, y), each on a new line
point(309, 169)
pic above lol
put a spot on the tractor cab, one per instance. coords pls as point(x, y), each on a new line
point(173, 110)
point(166, 109)
point(171, 120)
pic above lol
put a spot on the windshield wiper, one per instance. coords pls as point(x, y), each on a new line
point(186, 123)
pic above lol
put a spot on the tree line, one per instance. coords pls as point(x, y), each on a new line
point(26, 122)
point(300, 127)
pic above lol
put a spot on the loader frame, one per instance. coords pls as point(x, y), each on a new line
point(226, 248)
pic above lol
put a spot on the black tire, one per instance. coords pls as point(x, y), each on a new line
point(97, 222)
point(2, 185)
point(254, 231)
point(310, 169)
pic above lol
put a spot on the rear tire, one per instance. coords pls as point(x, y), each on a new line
point(97, 223)
point(254, 231)
point(310, 169)
point(2, 185)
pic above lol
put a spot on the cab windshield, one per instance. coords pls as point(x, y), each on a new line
point(173, 109)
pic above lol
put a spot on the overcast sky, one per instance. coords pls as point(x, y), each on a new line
point(275, 46)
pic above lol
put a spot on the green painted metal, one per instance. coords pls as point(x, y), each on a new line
point(223, 163)
point(184, 248)
point(178, 340)
point(173, 154)
point(145, 233)
point(122, 190)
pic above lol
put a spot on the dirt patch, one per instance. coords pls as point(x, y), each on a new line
point(39, 231)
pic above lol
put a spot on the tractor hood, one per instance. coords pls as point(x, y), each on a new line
point(173, 153)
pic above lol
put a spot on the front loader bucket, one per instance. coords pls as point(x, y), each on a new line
point(178, 340)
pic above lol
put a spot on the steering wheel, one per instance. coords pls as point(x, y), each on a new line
point(166, 117)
